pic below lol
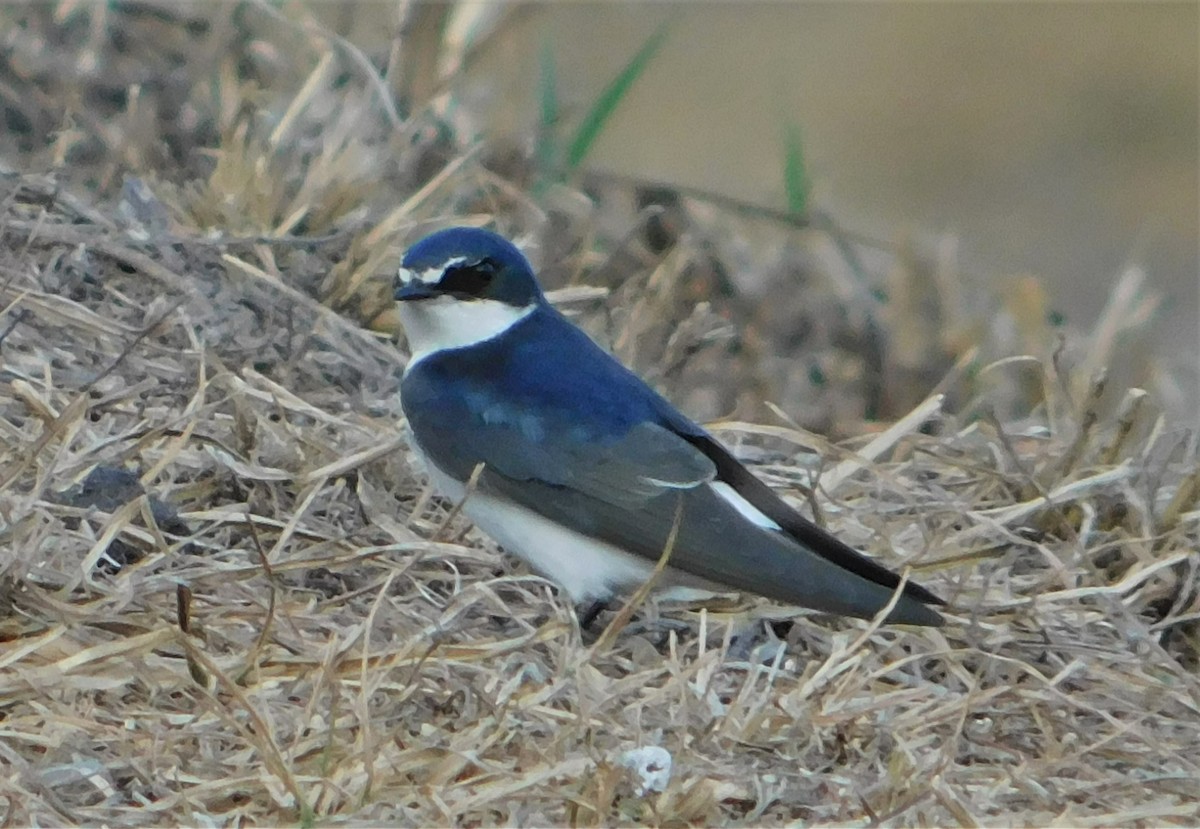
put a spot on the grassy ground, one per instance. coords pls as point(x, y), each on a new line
point(201, 210)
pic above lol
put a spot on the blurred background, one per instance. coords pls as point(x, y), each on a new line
point(1057, 139)
point(856, 198)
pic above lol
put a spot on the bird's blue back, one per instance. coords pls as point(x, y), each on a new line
point(542, 380)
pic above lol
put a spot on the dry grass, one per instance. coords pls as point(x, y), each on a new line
point(328, 644)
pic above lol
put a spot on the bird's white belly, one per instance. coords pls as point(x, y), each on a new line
point(586, 568)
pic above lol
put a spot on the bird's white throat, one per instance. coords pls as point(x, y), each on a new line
point(443, 322)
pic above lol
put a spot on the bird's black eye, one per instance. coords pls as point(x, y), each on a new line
point(468, 281)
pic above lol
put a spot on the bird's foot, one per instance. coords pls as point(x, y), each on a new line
point(588, 613)
point(758, 642)
point(655, 628)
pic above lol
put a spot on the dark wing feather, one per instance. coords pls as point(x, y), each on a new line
point(828, 546)
point(714, 542)
point(603, 491)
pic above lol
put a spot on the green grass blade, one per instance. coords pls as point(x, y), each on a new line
point(597, 117)
point(797, 185)
point(548, 110)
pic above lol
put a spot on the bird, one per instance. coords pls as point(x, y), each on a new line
point(573, 463)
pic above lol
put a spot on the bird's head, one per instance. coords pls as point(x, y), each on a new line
point(463, 285)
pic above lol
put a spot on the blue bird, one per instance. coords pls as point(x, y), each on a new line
point(586, 469)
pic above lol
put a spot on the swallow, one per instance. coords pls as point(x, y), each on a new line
point(585, 472)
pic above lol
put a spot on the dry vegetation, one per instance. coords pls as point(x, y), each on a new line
point(200, 210)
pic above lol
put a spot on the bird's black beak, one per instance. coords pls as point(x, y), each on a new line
point(413, 291)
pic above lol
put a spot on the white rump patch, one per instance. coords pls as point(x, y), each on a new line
point(747, 510)
point(445, 322)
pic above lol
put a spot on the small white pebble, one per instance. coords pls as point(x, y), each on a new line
point(652, 766)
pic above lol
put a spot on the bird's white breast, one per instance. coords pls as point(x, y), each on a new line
point(443, 322)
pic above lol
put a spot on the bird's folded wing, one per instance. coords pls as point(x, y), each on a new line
point(606, 492)
point(801, 530)
point(714, 542)
point(647, 462)
point(629, 490)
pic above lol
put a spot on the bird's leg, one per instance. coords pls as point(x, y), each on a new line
point(657, 630)
point(588, 613)
point(758, 637)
